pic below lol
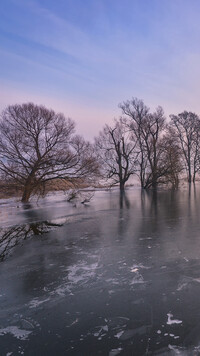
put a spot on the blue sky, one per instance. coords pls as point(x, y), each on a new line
point(84, 57)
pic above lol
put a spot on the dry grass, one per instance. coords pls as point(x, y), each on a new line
point(9, 189)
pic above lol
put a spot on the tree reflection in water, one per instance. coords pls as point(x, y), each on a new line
point(13, 236)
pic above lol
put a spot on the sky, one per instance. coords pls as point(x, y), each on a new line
point(84, 57)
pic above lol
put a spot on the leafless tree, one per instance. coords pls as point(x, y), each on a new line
point(172, 157)
point(137, 112)
point(37, 145)
point(187, 129)
point(148, 129)
point(116, 152)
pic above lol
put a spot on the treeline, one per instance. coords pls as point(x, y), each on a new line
point(143, 143)
point(38, 146)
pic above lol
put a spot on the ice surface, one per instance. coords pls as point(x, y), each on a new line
point(91, 291)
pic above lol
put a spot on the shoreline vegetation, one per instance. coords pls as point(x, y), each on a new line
point(11, 190)
point(14, 191)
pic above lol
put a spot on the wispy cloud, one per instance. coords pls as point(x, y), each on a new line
point(100, 53)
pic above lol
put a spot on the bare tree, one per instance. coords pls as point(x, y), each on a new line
point(116, 152)
point(137, 112)
point(37, 145)
point(172, 157)
point(148, 128)
point(187, 129)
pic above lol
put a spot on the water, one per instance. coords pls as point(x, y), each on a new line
point(115, 277)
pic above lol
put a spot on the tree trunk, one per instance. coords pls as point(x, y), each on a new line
point(189, 175)
point(194, 177)
point(27, 193)
point(121, 198)
point(154, 181)
point(154, 184)
point(142, 180)
point(121, 186)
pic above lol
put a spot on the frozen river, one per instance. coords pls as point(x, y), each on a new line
point(115, 277)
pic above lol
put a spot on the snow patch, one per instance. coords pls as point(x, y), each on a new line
point(137, 279)
point(115, 352)
point(171, 321)
point(140, 265)
point(81, 272)
point(113, 281)
point(145, 238)
point(16, 332)
point(178, 350)
point(73, 323)
point(35, 302)
point(100, 331)
point(182, 286)
point(119, 334)
point(62, 290)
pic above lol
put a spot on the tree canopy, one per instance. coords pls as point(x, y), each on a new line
point(38, 145)
point(116, 152)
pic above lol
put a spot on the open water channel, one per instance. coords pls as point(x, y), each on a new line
point(119, 276)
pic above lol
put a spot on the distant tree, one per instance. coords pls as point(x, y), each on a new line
point(135, 114)
point(172, 158)
point(187, 132)
point(116, 153)
point(37, 145)
point(148, 129)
